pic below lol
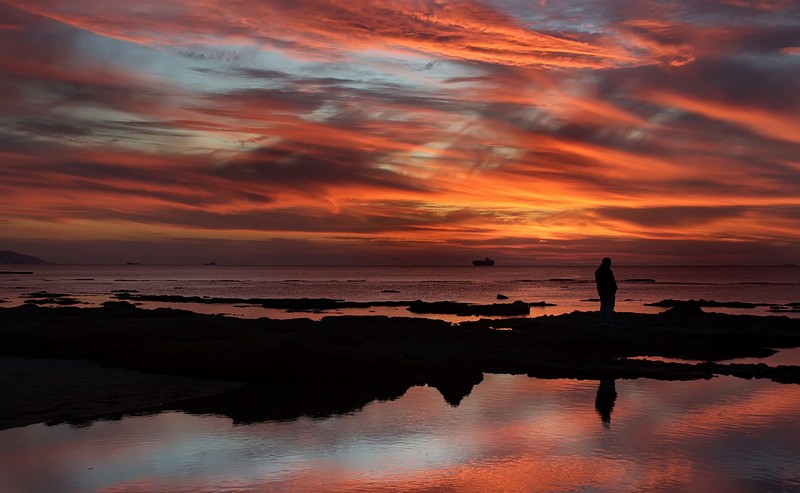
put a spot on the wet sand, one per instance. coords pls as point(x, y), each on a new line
point(95, 362)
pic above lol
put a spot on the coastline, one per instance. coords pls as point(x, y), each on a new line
point(251, 370)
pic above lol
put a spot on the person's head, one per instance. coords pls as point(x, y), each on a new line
point(606, 262)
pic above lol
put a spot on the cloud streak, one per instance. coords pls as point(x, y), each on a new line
point(492, 126)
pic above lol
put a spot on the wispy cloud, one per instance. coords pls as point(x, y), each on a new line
point(502, 125)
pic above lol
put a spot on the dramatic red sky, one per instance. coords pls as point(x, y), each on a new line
point(401, 132)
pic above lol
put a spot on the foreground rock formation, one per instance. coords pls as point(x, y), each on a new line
point(299, 367)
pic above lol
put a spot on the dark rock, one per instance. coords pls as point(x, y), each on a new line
point(301, 304)
point(787, 308)
point(359, 358)
point(705, 303)
point(467, 309)
point(46, 298)
point(45, 294)
point(684, 309)
point(53, 301)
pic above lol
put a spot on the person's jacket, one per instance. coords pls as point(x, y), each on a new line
point(606, 284)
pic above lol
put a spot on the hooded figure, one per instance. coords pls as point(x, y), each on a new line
point(607, 289)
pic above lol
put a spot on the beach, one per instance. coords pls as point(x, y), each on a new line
point(78, 364)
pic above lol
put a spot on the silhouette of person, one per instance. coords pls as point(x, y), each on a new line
point(607, 289)
point(604, 401)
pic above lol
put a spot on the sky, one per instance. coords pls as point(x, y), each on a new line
point(427, 132)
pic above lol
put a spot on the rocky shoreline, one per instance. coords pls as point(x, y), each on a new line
point(281, 369)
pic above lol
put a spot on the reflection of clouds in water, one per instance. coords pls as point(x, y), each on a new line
point(511, 433)
point(783, 356)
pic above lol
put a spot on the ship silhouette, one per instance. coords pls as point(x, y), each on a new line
point(487, 261)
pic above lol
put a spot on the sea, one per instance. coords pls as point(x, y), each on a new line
point(512, 433)
point(564, 289)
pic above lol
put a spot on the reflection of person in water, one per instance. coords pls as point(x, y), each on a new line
point(604, 402)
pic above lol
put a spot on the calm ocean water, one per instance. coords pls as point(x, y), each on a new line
point(569, 288)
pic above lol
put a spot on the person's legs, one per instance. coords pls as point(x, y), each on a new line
point(607, 309)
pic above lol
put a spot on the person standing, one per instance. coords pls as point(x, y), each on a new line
point(607, 289)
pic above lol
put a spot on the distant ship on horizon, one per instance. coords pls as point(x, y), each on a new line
point(487, 261)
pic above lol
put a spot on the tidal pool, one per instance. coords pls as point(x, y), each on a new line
point(512, 433)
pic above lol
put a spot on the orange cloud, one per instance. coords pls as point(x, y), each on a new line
point(767, 5)
point(766, 122)
point(461, 30)
point(454, 124)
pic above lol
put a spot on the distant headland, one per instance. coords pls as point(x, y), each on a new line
point(14, 258)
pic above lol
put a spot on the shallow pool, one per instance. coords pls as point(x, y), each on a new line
point(512, 433)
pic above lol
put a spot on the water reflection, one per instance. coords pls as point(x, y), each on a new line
point(605, 399)
point(512, 433)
